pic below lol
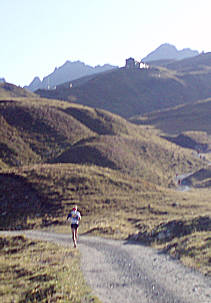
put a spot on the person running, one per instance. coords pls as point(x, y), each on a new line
point(75, 217)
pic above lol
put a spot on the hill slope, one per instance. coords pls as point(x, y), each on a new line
point(128, 92)
point(193, 64)
point(55, 154)
point(8, 90)
point(40, 131)
point(125, 92)
point(201, 178)
point(188, 125)
point(189, 117)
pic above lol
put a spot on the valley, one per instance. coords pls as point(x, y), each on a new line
point(117, 161)
point(57, 154)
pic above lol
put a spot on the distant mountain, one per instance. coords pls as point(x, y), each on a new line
point(70, 71)
point(67, 72)
point(169, 52)
point(128, 92)
point(35, 84)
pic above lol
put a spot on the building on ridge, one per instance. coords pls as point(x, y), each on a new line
point(131, 63)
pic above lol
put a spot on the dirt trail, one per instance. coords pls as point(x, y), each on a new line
point(121, 271)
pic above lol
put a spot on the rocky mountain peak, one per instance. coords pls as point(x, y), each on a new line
point(168, 51)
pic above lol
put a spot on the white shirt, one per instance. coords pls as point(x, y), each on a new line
point(75, 217)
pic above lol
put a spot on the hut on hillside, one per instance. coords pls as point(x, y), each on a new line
point(131, 63)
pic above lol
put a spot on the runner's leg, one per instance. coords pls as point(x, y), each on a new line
point(73, 236)
point(76, 233)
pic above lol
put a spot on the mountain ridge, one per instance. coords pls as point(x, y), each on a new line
point(168, 51)
point(67, 72)
point(132, 91)
point(70, 71)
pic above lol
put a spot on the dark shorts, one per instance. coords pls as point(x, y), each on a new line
point(74, 226)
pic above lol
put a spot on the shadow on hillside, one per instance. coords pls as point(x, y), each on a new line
point(187, 142)
point(84, 155)
point(19, 200)
point(166, 232)
point(84, 116)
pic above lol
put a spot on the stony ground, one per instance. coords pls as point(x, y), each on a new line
point(124, 271)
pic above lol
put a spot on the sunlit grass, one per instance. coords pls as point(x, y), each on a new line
point(34, 271)
point(122, 169)
point(193, 250)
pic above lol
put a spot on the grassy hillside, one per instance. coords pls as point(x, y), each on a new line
point(149, 157)
point(189, 117)
point(40, 130)
point(199, 141)
point(55, 154)
point(42, 195)
point(200, 179)
point(193, 64)
point(193, 120)
point(124, 92)
point(8, 90)
point(34, 271)
point(128, 92)
point(44, 131)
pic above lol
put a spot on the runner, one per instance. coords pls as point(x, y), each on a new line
point(75, 217)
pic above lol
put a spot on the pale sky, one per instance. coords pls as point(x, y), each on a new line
point(39, 35)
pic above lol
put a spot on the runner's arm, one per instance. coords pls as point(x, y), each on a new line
point(69, 216)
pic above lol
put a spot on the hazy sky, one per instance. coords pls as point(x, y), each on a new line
point(39, 35)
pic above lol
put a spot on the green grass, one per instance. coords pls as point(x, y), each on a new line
point(34, 271)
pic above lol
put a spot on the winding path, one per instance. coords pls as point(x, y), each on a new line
point(121, 271)
point(181, 186)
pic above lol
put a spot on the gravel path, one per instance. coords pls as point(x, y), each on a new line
point(122, 271)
